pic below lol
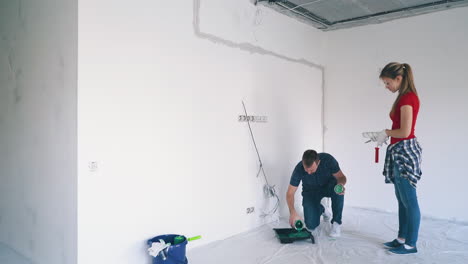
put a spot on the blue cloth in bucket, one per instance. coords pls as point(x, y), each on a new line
point(175, 253)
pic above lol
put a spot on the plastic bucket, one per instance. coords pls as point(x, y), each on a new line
point(175, 254)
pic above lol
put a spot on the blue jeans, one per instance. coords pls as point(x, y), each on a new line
point(409, 215)
point(313, 209)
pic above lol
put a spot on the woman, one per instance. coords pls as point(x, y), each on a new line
point(403, 157)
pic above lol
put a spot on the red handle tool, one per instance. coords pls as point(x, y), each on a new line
point(376, 154)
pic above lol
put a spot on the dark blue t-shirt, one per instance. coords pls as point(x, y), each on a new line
point(328, 166)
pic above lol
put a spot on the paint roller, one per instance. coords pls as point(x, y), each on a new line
point(370, 135)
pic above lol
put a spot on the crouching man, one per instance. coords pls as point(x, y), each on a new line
point(320, 174)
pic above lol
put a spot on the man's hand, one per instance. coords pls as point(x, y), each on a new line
point(342, 188)
point(293, 218)
point(340, 182)
point(379, 137)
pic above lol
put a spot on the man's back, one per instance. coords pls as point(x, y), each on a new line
point(324, 174)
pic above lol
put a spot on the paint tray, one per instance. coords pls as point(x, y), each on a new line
point(289, 235)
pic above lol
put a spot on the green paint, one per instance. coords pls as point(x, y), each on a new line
point(299, 225)
point(298, 234)
point(178, 239)
point(338, 188)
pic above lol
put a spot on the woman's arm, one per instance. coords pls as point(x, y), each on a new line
point(406, 121)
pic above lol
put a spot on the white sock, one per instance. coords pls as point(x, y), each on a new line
point(401, 241)
point(408, 247)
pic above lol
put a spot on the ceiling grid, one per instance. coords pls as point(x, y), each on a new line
point(336, 14)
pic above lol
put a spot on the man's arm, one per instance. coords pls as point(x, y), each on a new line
point(341, 179)
point(293, 216)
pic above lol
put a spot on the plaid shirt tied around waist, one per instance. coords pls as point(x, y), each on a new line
point(406, 154)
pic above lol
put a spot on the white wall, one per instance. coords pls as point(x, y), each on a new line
point(436, 46)
point(159, 96)
point(38, 129)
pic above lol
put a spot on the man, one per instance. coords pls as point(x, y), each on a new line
point(319, 173)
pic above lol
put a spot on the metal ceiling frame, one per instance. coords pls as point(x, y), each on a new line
point(303, 14)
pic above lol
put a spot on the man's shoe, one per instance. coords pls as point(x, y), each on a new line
point(326, 214)
point(403, 250)
point(393, 244)
point(335, 230)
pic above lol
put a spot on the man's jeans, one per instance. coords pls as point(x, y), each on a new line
point(408, 209)
point(313, 209)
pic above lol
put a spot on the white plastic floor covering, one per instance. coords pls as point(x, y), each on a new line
point(363, 232)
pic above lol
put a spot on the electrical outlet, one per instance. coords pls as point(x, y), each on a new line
point(250, 210)
point(259, 119)
point(93, 166)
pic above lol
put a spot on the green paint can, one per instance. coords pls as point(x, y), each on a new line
point(339, 188)
point(298, 225)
